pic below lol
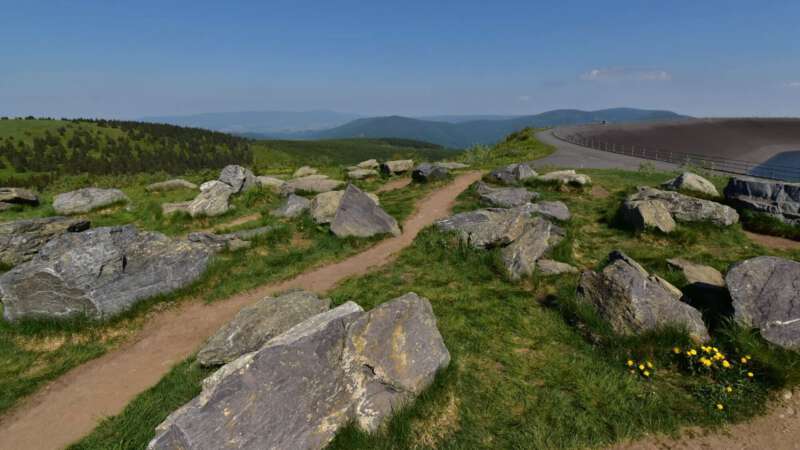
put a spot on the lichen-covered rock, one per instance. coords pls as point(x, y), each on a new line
point(239, 178)
point(427, 172)
point(311, 183)
point(507, 197)
point(550, 209)
point(397, 167)
point(85, 200)
point(231, 241)
point(539, 236)
point(649, 207)
point(776, 198)
point(550, 267)
point(304, 172)
point(213, 200)
point(392, 354)
point(324, 206)
point(18, 196)
point(633, 301)
point(268, 182)
point(486, 228)
point(688, 181)
point(565, 177)
point(647, 214)
point(512, 174)
point(21, 240)
point(358, 215)
point(698, 273)
point(293, 206)
point(100, 273)
point(254, 325)
point(766, 295)
point(170, 185)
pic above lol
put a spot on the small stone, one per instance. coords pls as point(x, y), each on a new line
point(293, 206)
point(304, 172)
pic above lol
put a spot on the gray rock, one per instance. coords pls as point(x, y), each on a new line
point(647, 214)
point(290, 394)
point(698, 273)
point(633, 301)
point(776, 198)
point(392, 354)
point(368, 164)
point(293, 206)
point(396, 167)
point(18, 196)
point(550, 267)
point(304, 172)
point(6, 206)
point(451, 165)
point(766, 295)
point(254, 325)
point(482, 188)
point(646, 208)
point(239, 178)
point(87, 199)
point(512, 174)
point(311, 183)
point(170, 185)
point(213, 200)
point(99, 273)
point(358, 215)
point(507, 197)
point(538, 237)
point(427, 172)
point(360, 174)
point(688, 181)
point(486, 228)
point(551, 209)
point(268, 182)
point(231, 241)
point(21, 240)
point(324, 206)
point(565, 177)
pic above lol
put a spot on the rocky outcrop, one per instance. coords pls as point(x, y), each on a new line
point(213, 200)
point(397, 167)
point(427, 172)
point(18, 196)
point(304, 172)
point(170, 185)
point(293, 206)
point(776, 198)
point(239, 178)
point(254, 325)
point(512, 174)
point(633, 301)
point(369, 164)
point(550, 267)
point(230, 241)
point(688, 181)
point(566, 177)
point(360, 174)
point(21, 240)
point(550, 209)
point(324, 206)
point(99, 273)
point(538, 237)
point(506, 197)
point(653, 208)
point(487, 228)
point(766, 295)
point(311, 183)
point(358, 215)
point(87, 199)
point(299, 388)
point(268, 182)
point(697, 273)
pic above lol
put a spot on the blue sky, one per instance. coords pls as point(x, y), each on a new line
point(130, 59)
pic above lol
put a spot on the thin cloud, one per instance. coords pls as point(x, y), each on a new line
point(626, 74)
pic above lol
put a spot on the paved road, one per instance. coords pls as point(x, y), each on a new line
point(576, 157)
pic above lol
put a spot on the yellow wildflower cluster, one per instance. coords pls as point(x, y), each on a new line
point(645, 368)
point(709, 357)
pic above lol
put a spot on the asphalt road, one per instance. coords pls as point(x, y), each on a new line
point(573, 156)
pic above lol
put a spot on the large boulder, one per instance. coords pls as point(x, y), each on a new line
point(512, 174)
point(358, 215)
point(290, 394)
point(538, 237)
point(506, 197)
point(392, 354)
point(566, 177)
point(237, 177)
point(551, 209)
point(254, 325)
point(688, 181)
point(18, 196)
point(21, 240)
point(293, 206)
point(324, 206)
point(213, 200)
point(486, 228)
point(766, 295)
point(85, 200)
point(99, 273)
point(311, 183)
point(427, 172)
point(650, 207)
point(777, 198)
point(397, 167)
point(170, 185)
point(633, 301)
point(269, 182)
point(304, 172)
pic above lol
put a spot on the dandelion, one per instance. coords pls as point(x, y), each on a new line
point(691, 352)
point(641, 366)
point(706, 362)
point(646, 373)
point(630, 363)
point(729, 389)
point(676, 350)
point(716, 350)
point(749, 374)
point(747, 357)
point(744, 360)
point(726, 364)
point(649, 365)
point(720, 407)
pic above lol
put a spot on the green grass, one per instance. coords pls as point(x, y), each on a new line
point(517, 147)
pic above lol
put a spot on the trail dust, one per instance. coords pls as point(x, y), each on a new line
point(70, 407)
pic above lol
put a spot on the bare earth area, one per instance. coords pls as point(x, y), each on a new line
point(777, 430)
point(774, 242)
point(393, 185)
point(70, 407)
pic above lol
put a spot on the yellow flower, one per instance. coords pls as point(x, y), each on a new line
point(750, 374)
point(720, 407)
point(744, 360)
point(641, 366)
point(649, 365)
point(716, 350)
point(706, 362)
point(692, 352)
point(630, 363)
point(646, 373)
point(676, 350)
point(726, 364)
point(728, 389)
point(719, 356)
point(748, 357)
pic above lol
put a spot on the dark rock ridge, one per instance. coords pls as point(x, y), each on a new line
point(633, 301)
point(100, 273)
point(776, 198)
point(21, 240)
point(766, 295)
point(358, 215)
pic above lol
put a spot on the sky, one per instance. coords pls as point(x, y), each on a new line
point(132, 59)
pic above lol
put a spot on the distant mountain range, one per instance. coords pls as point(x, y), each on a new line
point(452, 131)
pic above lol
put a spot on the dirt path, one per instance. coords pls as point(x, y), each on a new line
point(773, 242)
point(777, 430)
point(235, 222)
point(393, 185)
point(70, 407)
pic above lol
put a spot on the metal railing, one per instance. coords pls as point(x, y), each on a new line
point(706, 162)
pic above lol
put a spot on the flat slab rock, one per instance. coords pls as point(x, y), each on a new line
point(776, 198)
point(698, 273)
point(85, 200)
point(512, 174)
point(304, 172)
point(487, 228)
point(310, 183)
point(506, 197)
point(18, 196)
point(270, 182)
point(654, 208)
point(255, 325)
point(633, 301)
point(230, 241)
point(688, 181)
point(21, 240)
point(170, 185)
point(360, 174)
point(297, 390)
point(566, 177)
point(293, 206)
point(358, 215)
point(550, 209)
point(766, 295)
point(396, 167)
point(550, 267)
point(99, 273)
